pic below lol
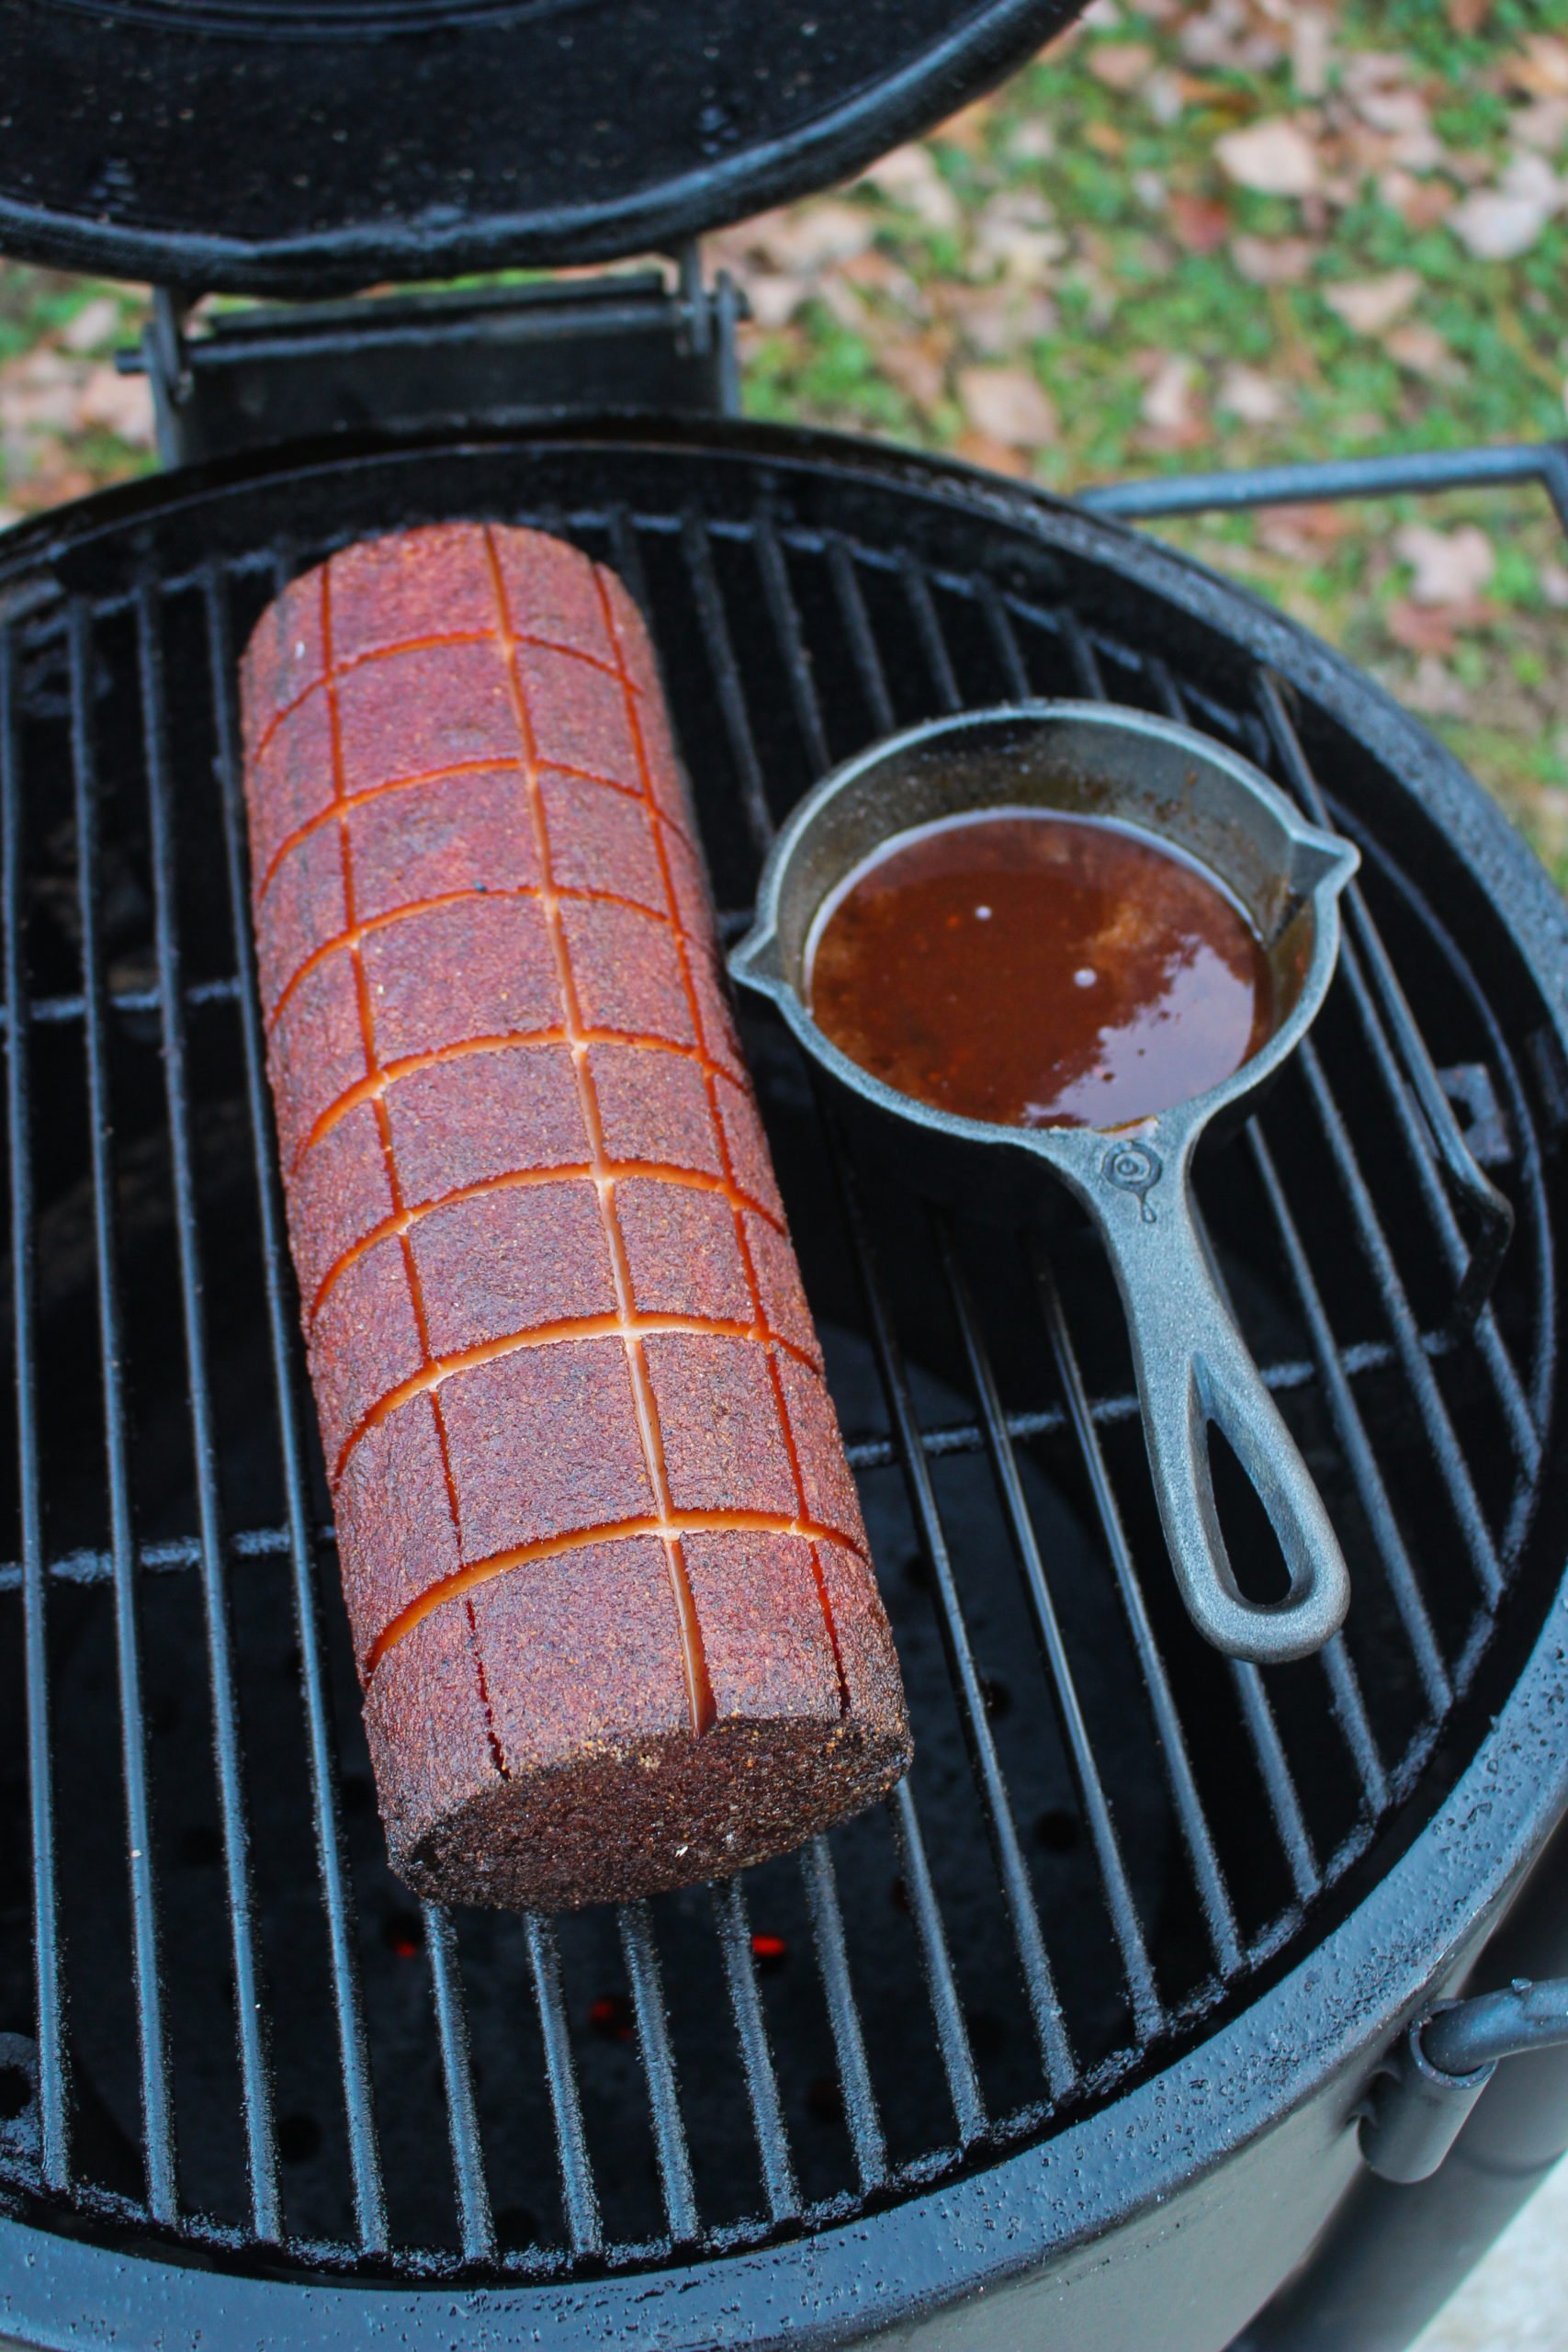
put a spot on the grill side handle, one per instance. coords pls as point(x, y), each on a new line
point(1442, 2065)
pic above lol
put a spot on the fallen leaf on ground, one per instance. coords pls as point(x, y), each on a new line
point(1198, 222)
point(1247, 392)
point(812, 236)
point(1543, 124)
point(1371, 305)
point(979, 449)
point(1303, 532)
point(1449, 567)
point(1434, 691)
point(1311, 37)
point(1170, 408)
point(969, 128)
point(1008, 404)
point(1420, 204)
point(1165, 95)
point(97, 322)
point(1496, 226)
point(1422, 351)
point(1553, 579)
point(1273, 261)
point(775, 298)
point(919, 369)
point(1540, 69)
point(1467, 16)
point(1014, 234)
point(1426, 629)
point(1121, 64)
point(119, 405)
point(1273, 158)
point(908, 177)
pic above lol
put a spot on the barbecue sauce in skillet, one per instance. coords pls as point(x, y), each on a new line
point(1034, 969)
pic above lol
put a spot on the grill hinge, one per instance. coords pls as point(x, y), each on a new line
point(495, 356)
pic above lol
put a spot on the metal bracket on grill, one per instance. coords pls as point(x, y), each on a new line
point(501, 354)
point(1443, 2064)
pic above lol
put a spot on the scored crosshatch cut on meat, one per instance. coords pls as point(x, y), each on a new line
point(602, 1551)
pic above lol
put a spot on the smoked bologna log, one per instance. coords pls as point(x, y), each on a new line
point(601, 1551)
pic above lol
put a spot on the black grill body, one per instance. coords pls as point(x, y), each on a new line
point(1065, 2044)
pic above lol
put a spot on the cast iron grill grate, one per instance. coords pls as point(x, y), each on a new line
point(223, 2022)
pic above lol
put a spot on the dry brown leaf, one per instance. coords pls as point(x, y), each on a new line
point(1275, 157)
point(1499, 223)
point(1273, 261)
point(1198, 222)
point(1371, 305)
point(119, 405)
point(1543, 124)
point(1008, 404)
point(1311, 45)
point(810, 237)
point(96, 323)
point(1434, 691)
point(1448, 567)
point(1467, 16)
point(908, 177)
point(1301, 533)
point(1425, 628)
point(967, 128)
point(1248, 393)
point(1170, 408)
point(774, 297)
point(1121, 64)
point(1106, 139)
point(1422, 351)
point(919, 367)
point(1420, 204)
point(979, 449)
point(1540, 69)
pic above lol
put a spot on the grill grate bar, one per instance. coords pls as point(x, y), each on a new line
point(715, 625)
point(863, 640)
point(1451, 1465)
point(1350, 1713)
point(659, 2065)
point(928, 632)
point(364, 2161)
point(58, 1009)
point(475, 2222)
point(1004, 638)
point(157, 2122)
point(849, 2045)
point(1084, 659)
point(1432, 1136)
point(1351, 1432)
point(1214, 1895)
point(53, 2092)
point(761, 2082)
point(784, 614)
point(1061, 2073)
point(180, 1551)
point(1278, 1780)
point(261, 2150)
point(941, 1986)
point(1148, 2014)
point(578, 2194)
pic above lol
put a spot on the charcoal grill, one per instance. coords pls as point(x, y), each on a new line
point(1070, 2042)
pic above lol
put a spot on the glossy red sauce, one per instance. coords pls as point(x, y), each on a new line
point(1039, 970)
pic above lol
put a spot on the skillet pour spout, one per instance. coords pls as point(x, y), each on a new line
point(1193, 1369)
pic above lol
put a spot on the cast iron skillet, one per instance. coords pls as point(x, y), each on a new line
point(1193, 1364)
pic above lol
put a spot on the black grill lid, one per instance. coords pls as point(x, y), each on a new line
point(272, 146)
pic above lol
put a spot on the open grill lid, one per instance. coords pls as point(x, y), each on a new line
point(272, 146)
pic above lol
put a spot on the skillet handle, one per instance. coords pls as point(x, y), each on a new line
point(1193, 1367)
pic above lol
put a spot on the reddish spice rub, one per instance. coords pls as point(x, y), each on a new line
point(601, 1551)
